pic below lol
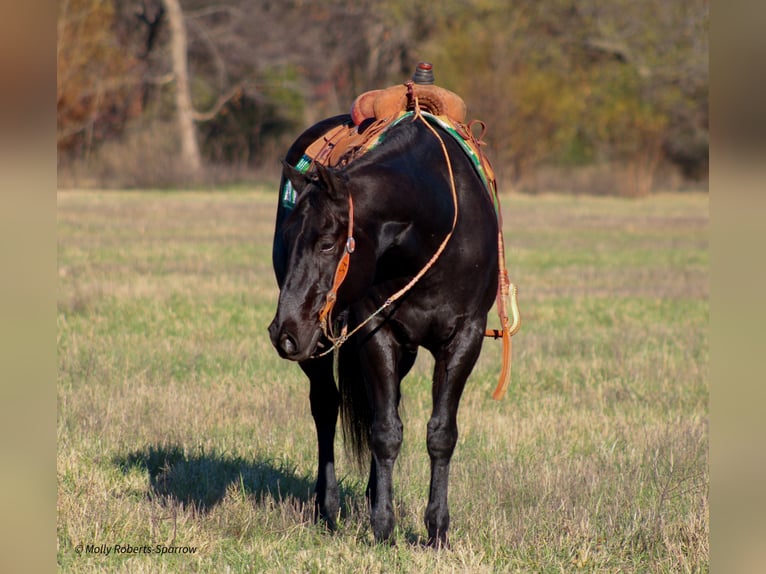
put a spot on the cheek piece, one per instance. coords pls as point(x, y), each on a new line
point(340, 274)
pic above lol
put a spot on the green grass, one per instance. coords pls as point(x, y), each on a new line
point(178, 424)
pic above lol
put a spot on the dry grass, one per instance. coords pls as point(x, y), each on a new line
point(178, 424)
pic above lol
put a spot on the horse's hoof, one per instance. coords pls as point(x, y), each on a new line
point(383, 530)
point(328, 519)
point(438, 542)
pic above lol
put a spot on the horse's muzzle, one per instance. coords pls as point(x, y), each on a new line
point(283, 341)
point(289, 344)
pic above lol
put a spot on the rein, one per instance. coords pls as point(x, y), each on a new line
point(342, 270)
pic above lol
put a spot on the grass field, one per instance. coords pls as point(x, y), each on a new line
point(178, 425)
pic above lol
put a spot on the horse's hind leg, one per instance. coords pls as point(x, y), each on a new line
point(453, 364)
point(325, 402)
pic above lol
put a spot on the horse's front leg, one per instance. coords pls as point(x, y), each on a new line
point(325, 402)
point(380, 358)
point(406, 361)
point(452, 366)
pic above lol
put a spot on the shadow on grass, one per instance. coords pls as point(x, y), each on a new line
point(202, 479)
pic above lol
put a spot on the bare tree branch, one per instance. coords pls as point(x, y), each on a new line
point(223, 99)
point(162, 80)
point(210, 10)
point(220, 65)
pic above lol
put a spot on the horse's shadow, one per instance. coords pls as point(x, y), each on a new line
point(201, 479)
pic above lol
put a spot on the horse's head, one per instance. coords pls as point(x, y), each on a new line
point(317, 235)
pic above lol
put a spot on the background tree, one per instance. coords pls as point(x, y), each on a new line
point(621, 85)
point(581, 82)
point(190, 155)
point(97, 77)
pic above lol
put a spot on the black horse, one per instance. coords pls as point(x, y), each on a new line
point(404, 206)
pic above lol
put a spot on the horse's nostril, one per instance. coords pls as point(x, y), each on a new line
point(287, 344)
point(273, 330)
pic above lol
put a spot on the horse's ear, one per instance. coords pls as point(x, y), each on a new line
point(297, 178)
point(334, 181)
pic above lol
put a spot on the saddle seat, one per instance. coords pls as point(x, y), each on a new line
point(380, 104)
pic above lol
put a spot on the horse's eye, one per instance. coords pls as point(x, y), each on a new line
point(327, 247)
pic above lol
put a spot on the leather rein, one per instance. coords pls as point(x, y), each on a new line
point(341, 271)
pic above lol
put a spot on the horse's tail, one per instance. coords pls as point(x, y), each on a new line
point(355, 409)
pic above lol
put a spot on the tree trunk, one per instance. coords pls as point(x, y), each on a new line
point(190, 154)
